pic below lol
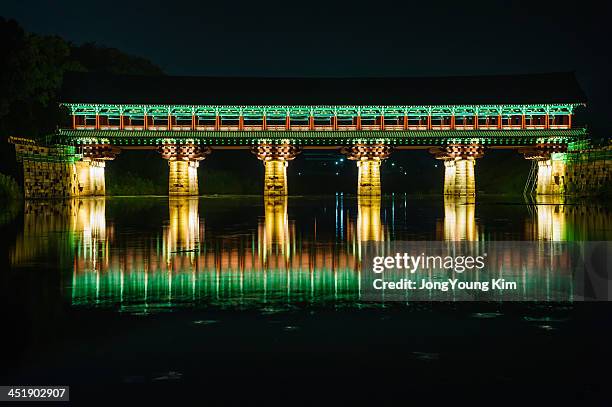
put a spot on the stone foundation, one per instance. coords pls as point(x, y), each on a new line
point(59, 171)
point(581, 173)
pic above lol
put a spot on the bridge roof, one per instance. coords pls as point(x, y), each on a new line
point(176, 90)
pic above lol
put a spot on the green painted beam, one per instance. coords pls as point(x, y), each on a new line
point(314, 138)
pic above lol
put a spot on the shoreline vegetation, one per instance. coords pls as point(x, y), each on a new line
point(10, 198)
point(9, 189)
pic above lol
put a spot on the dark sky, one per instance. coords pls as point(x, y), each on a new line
point(374, 38)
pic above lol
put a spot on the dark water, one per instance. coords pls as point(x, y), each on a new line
point(136, 294)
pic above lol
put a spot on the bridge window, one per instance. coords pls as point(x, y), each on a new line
point(276, 121)
point(84, 121)
point(440, 122)
point(206, 121)
point(253, 122)
point(230, 120)
point(299, 121)
point(394, 122)
point(559, 122)
point(513, 121)
point(464, 122)
point(182, 121)
point(535, 121)
point(157, 122)
point(132, 122)
point(417, 122)
point(488, 122)
point(323, 121)
point(110, 122)
point(369, 120)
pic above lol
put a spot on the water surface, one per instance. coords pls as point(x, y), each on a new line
point(148, 289)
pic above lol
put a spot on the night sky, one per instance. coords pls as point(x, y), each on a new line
point(374, 38)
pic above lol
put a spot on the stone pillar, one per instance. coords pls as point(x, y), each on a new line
point(550, 172)
point(368, 158)
point(275, 158)
point(459, 161)
point(90, 169)
point(183, 162)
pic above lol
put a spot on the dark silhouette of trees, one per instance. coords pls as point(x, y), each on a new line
point(32, 67)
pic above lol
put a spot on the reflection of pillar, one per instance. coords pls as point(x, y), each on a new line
point(551, 177)
point(459, 218)
point(369, 224)
point(183, 162)
point(90, 218)
point(184, 227)
point(551, 169)
point(459, 160)
point(274, 235)
point(551, 218)
point(276, 223)
point(275, 158)
point(369, 158)
point(84, 219)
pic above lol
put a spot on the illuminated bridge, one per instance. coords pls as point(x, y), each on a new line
point(186, 118)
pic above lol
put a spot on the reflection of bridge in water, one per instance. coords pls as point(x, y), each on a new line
point(275, 264)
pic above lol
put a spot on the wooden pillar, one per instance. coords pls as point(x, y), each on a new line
point(241, 123)
point(217, 122)
point(121, 124)
point(569, 122)
point(428, 122)
point(382, 121)
point(476, 122)
point(145, 125)
point(193, 122)
point(546, 124)
point(452, 123)
point(264, 124)
point(288, 123)
point(335, 123)
point(97, 121)
point(169, 122)
point(523, 122)
point(358, 124)
point(405, 122)
point(499, 121)
point(73, 121)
